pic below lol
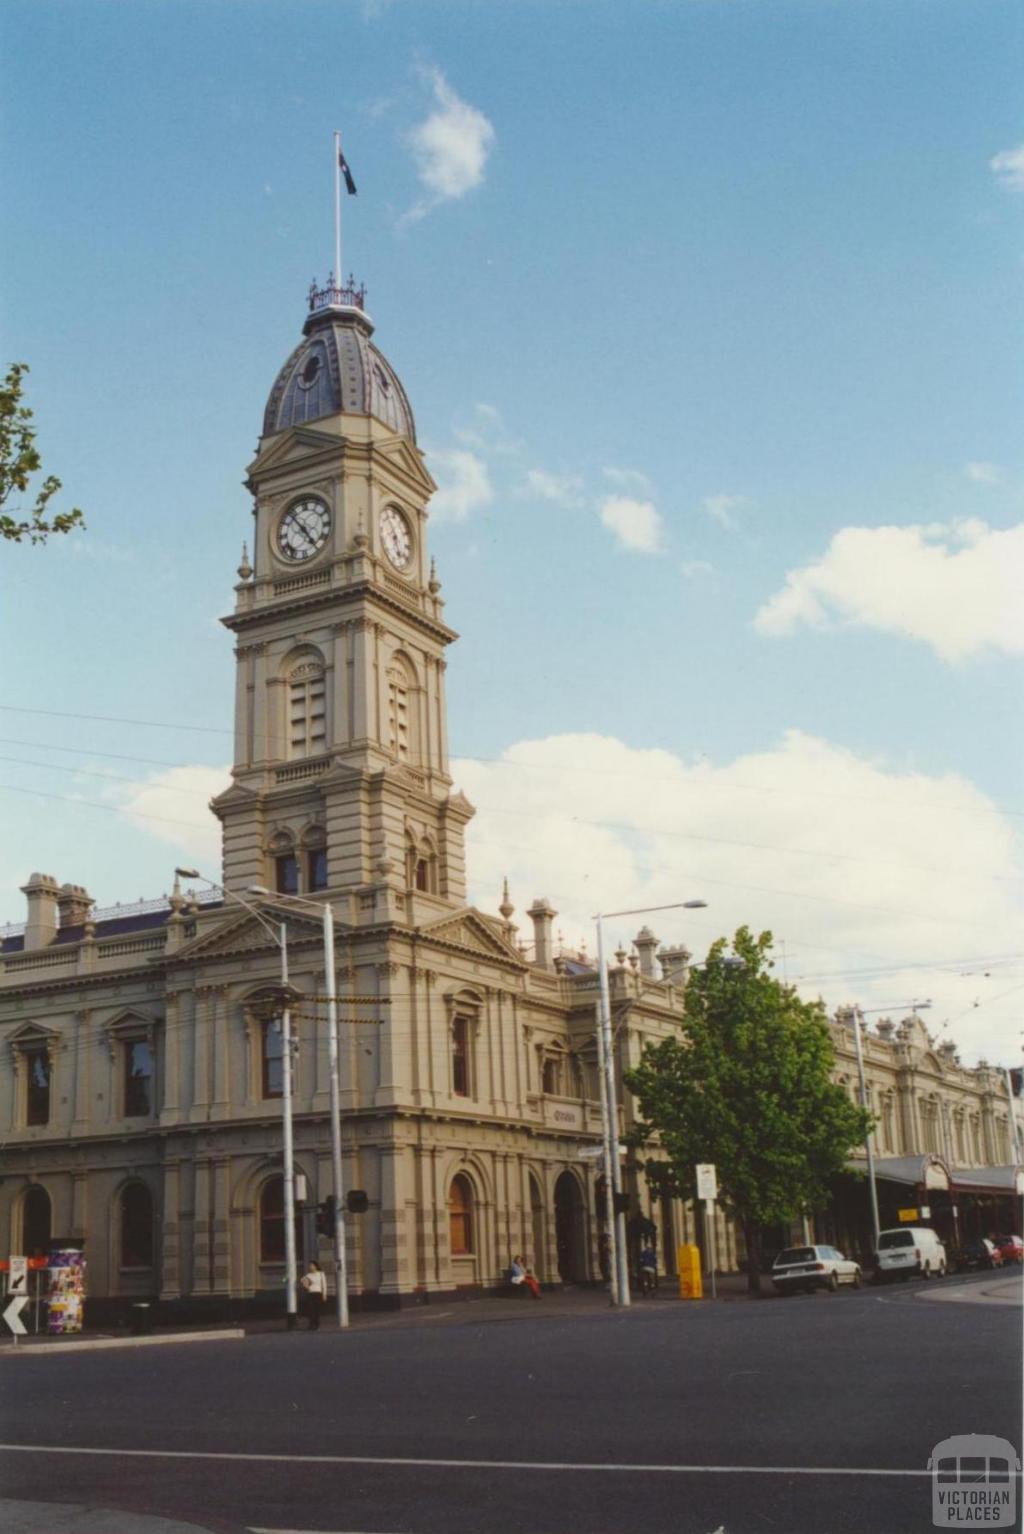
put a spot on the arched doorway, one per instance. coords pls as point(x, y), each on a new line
point(537, 1230)
point(36, 1222)
point(569, 1230)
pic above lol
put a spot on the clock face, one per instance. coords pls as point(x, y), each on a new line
point(303, 529)
point(396, 537)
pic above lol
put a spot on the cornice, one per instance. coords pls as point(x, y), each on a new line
point(335, 596)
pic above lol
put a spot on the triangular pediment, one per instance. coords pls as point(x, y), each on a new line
point(297, 444)
point(399, 453)
point(470, 931)
point(239, 932)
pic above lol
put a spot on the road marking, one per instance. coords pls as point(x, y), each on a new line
point(457, 1464)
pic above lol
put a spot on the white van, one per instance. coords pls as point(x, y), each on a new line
point(910, 1249)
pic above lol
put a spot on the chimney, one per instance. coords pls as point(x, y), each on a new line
point(41, 922)
point(674, 963)
point(645, 943)
point(74, 904)
point(542, 914)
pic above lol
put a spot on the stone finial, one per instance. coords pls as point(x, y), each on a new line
point(506, 908)
point(176, 899)
point(360, 540)
point(645, 944)
point(885, 1028)
point(620, 956)
point(41, 893)
point(245, 568)
point(542, 914)
point(433, 585)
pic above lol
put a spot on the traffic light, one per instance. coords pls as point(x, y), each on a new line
point(325, 1216)
point(356, 1201)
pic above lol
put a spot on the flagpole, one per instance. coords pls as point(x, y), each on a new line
point(337, 210)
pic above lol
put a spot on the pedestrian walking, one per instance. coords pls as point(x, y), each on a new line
point(314, 1293)
point(648, 1270)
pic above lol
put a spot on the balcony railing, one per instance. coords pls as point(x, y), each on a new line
point(333, 296)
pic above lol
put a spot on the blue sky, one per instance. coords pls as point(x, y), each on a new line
point(708, 315)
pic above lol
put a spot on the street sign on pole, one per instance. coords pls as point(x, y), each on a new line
point(17, 1275)
point(12, 1315)
point(707, 1181)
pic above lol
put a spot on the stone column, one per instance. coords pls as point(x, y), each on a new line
point(170, 1109)
point(202, 1005)
point(201, 1243)
point(220, 1266)
point(82, 1040)
point(219, 1013)
point(394, 1254)
point(170, 1282)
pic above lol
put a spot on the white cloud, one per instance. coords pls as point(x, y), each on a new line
point(721, 508)
point(880, 883)
point(628, 479)
point(485, 430)
point(693, 567)
point(980, 472)
point(1008, 168)
point(464, 485)
point(636, 524)
point(562, 489)
point(450, 147)
point(169, 807)
point(956, 587)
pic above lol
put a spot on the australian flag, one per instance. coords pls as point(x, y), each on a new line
point(350, 185)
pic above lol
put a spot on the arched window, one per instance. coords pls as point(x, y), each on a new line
point(460, 1216)
point(307, 709)
point(36, 1222)
point(136, 1226)
point(286, 864)
point(272, 1223)
point(402, 730)
point(314, 846)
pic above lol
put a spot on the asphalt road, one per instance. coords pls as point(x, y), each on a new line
point(807, 1415)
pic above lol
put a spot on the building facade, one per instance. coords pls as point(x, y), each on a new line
point(140, 1051)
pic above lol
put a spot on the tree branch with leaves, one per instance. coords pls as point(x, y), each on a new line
point(19, 460)
point(747, 1085)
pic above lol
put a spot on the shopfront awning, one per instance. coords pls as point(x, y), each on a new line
point(911, 1171)
point(989, 1179)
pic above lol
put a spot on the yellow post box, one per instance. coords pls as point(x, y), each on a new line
point(691, 1282)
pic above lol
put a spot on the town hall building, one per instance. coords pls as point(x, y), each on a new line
point(141, 1068)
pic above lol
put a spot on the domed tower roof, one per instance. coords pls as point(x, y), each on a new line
point(336, 368)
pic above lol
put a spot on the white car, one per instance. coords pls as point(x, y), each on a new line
point(813, 1267)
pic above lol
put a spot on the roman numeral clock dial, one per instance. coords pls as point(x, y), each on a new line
point(396, 537)
point(302, 531)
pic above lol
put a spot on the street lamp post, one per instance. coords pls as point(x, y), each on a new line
point(340, 1255)
point(280, 937)
point(615, 1215)
point(858, 1017)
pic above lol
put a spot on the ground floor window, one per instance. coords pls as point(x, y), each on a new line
point(36, 1222)
point(136, 1226)
point(460, 1217)
point(272, 1223)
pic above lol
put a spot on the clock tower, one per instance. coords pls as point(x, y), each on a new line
point(340, 777)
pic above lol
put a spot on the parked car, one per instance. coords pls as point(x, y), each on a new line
point(1011, 1248)
point(908, 1251)
point(813, 1267)
point(980, 1253)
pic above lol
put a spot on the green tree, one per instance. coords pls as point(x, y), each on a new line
point(747, 1085)
point(19, 460)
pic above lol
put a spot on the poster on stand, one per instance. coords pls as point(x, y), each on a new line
point(67, 1290)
